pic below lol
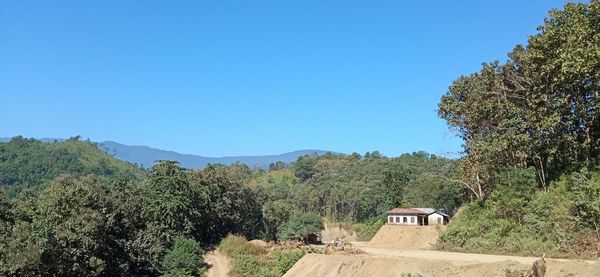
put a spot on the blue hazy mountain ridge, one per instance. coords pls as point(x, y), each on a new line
point(147, 156)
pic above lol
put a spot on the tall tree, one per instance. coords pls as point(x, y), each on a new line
point(541, 108)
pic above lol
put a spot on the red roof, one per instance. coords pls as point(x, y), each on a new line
point(405, 211)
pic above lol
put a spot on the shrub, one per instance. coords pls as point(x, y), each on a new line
point(183, 258)
point(285, 260)
point(366, 231)
point(246, 265)
point(251, 260)
point(234, 246)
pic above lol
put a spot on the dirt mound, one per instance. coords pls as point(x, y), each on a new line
point(338, 265)
point(259, 243)
point(347, 249)
point(405, 237)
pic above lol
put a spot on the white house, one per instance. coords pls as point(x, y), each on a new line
point(416, 216)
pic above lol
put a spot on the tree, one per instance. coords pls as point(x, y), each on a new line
point(304, 168)
point(231, 206)
point(6, 214)
point(585, 190)
point(274, 214)
point(301, 226)
point(394, 185)
point(76, 228)
point(279, 165)
point(183, 258)
point(6, 223)
point(540, 109)
point(173, 201)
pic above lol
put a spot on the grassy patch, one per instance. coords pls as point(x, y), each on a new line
point(252, 260)
point(366, 231)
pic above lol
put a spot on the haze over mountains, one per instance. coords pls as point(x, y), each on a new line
point(146, 156)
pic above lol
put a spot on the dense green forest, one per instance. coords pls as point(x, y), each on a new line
point(531, 128)
point(28, 163)
point(75, 210)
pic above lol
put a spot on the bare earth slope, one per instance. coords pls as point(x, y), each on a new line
point(405, 237)
point(332, 232)
point(218, 264)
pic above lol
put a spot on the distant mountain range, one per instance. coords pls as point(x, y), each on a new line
point(147, 156)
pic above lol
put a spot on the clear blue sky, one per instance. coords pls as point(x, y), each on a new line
point(222, 78)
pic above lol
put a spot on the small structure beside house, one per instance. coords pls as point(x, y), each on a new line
point(416, 216)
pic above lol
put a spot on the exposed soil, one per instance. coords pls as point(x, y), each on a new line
point(443, 265)
point(397, 249)
point(333, 232)
point(218, 264)
point(405, 237)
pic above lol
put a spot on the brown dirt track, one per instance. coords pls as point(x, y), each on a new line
point(397, 249)
point(318, 265)
point(218, 264)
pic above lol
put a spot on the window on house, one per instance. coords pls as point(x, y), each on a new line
point(412, 219)
point(397, 219)
point(390, 219)
point(404, 219)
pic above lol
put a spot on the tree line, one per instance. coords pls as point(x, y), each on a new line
point(98, 226)
point(539, 109)
point(78, 211)
point(531, 131)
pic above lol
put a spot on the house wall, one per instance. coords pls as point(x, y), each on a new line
point(399, 220)
point(433, 219)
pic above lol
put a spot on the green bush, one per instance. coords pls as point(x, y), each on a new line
point(251, 260)
point(183, 258)
point(366, 231)
point(246, 265)
point(285, 260)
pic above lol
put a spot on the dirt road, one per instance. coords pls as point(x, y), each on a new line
point(385, 265)
point(401, 249)
point(218, 264)
point(453, 257)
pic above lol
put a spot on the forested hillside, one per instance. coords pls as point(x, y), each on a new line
point(77, 215)
point(355, 188)
point(531, 127)
point(26, 163)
